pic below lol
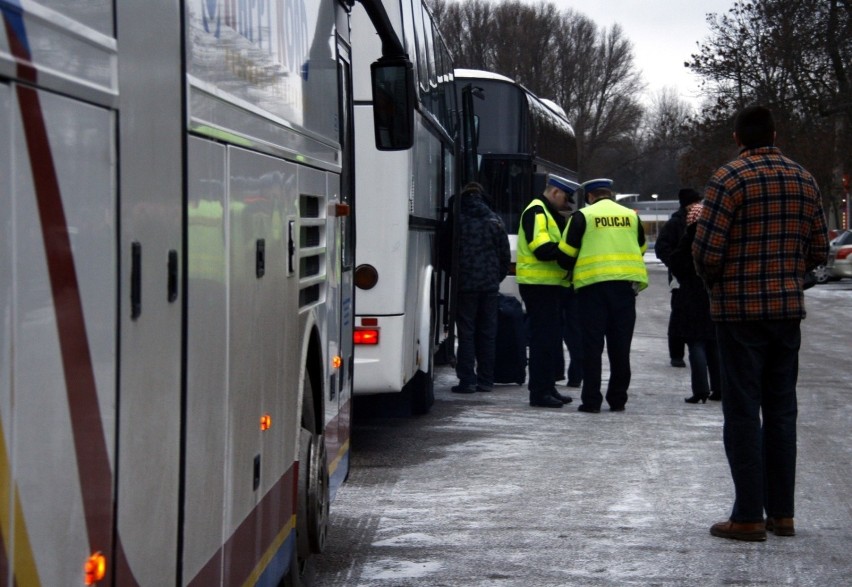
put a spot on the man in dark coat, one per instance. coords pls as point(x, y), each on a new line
point(667, 242)
point(483, 262)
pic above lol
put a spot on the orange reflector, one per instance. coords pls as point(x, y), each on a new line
point(366, 336)
point(336, 361)
point(95, 568)
point(265, 422)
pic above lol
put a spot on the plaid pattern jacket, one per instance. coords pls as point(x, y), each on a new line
point(762, 228)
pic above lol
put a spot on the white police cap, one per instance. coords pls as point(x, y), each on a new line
point(566, 185)
point(597, 184)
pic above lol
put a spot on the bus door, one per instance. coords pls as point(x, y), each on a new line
point(341, 235)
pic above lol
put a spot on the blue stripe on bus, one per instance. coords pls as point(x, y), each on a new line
point(13, 14)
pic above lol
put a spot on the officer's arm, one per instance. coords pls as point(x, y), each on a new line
point(569, 247)
point(643, 246)
point(535, 227)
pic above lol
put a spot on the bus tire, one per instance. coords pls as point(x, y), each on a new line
point(422, 388)
point(312, 516)
point(313, 490)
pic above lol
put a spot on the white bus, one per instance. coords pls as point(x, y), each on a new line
point(401, 196)
point(521, 138)
point(176, 287)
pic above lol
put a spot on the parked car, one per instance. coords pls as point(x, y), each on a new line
point(821, 274)
point(840, 256)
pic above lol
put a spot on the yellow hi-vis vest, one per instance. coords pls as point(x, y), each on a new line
point(610, 248)
point(528, 268)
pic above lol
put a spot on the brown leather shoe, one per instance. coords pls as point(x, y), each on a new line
point(781, 526)
point(752, 531)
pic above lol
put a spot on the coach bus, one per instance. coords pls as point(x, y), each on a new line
point(401, 198)
point(176, 285)
point(520, 139)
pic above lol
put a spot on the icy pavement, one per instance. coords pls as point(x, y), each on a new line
point(486, 491)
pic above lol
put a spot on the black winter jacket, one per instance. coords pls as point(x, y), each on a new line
point(483, 246)
point(690, 318)
point(669, 237)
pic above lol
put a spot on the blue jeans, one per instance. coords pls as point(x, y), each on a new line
point(761, 365)
point(476, 325)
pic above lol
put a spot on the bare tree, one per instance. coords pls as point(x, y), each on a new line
point(467, 26)
point(524, 49)
point(665, 139)
point(794, 57)
point(600, 89)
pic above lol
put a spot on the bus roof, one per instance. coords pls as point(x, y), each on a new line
point(481, 74)
point(461, 73)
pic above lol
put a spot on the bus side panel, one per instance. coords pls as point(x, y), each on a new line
point(426, 199)
point(264, 338)
point(383, 185)
point(207, 357)
point(7, 330)
point(58, 405)
point(151, 139)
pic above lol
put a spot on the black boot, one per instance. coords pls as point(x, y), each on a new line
point(544, 400)
point(565, 399)
point(694, 399)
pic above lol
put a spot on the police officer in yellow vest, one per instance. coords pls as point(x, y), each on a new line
point(603, 249)
point(540, 282)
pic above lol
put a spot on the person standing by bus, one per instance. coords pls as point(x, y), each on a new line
point(603, 249)
point(761, 230)
point(541, 282)
point(483, 260)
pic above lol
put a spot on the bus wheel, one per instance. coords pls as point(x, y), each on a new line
point(313, 492)
point(422, 392)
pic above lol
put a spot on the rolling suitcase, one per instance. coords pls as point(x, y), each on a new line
point(510, 358)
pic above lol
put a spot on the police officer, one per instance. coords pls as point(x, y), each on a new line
point(540, 282)
point(603, 248)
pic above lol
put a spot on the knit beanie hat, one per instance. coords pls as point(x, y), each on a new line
point(687, 196)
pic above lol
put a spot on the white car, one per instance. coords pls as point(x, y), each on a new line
point(840, 256)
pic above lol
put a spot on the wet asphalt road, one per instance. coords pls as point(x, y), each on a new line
point(487, 491)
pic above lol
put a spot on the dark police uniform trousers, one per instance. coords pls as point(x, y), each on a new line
point(607, 314)
point(543, 306)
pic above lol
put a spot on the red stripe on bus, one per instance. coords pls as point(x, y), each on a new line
point(253, 536)
point(89, 440)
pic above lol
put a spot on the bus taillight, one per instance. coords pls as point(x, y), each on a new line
point(366, 336)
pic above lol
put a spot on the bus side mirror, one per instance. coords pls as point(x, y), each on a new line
point(393, 103)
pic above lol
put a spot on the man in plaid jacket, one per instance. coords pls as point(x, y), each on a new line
point(761, 230)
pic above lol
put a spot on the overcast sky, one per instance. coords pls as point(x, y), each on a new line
point(663, 32)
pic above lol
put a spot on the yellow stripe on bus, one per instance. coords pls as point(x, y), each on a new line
point(344, 448)
point(23, 562)
point(271, 552)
